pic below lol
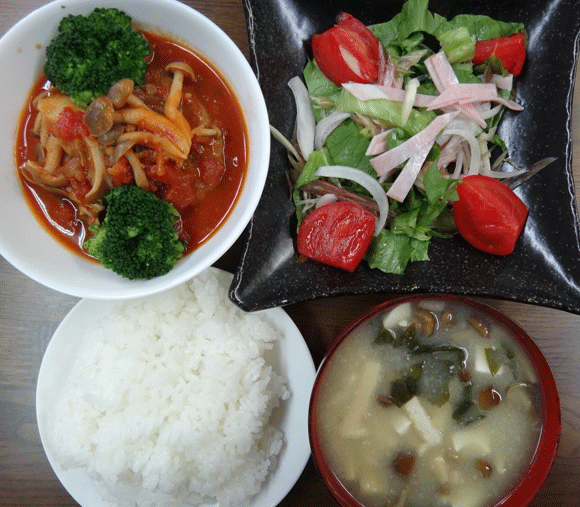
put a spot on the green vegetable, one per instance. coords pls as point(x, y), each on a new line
point(323, 92)
point(406, 386)
point(387, 111)
point(441, 362)
point(410, 232)
point(91, 53)
point(415, 19)
point(401, 337)
point(467, 411)
point(137, 238)
point(496, 357)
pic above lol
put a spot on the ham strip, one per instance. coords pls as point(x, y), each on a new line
point(502, 82)
point(441, 72)
point(387, 162)
point(444, 77)
point(401, 186)
point(378, 143)
point(470, 93)
point(373, 91)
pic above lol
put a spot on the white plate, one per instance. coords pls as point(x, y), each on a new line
point(292, 417)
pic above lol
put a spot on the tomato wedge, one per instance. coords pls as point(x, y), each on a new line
point(348, 51)
point(69, 125)
point(510, 50)
point(488, 214)
point(338, 233)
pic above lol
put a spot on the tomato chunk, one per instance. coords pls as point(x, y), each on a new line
point(488, 214)
point(348, 51)
point(69, 125)
point(510, 50)
point(338, 233)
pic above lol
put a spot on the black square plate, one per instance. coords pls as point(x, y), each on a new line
point(545, 267)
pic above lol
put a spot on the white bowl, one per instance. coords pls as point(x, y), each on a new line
point(23, 241)
point(291, 358)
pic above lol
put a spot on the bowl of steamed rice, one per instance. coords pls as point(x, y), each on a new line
point(178, 398)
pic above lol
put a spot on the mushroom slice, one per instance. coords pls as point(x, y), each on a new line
point(42, 95)
point(479, 326)
point(90, 212)
point(202, 131)
point(134, 101)
point(110, 137)
point(98, 116)
point(196, 107)
point(72, 168)
point(52, 105)
point(521, 396)
point(52, 155)
point(138, 171)
point(35, 173)
point(146, 119)
point(180, 70)
point(97, 176)
point(129, 139)
point(120, 92)
point(37, 127)
point(428, 321)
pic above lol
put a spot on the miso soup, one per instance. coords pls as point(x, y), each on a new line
point(428, 404)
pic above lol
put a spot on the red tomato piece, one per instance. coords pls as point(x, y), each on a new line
point(69, 125)
point(348, 51)
point(211, 170)
point(121, 172)
point(338, 233)
point(510, 50)
point(488, 214)
point(178, 186)
point(80, 188)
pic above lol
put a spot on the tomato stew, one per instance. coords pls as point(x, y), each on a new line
point(203, 191)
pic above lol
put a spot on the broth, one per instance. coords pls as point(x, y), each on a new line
point(204, 210)
point(414, 418)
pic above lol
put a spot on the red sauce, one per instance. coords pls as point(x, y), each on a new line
point(210, 203)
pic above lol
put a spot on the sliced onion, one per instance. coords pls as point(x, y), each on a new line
point(325, 127)
point(503, 174)
point(490, 113)
point(326, 199)
point(284, 142)
point(304, 116)
point(473, 144)
point(458, 165)
point(411, 93)
point(365, 180)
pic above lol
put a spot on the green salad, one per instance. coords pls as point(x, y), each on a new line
point(391, 118)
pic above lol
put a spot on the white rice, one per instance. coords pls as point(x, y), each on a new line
point(170, 400)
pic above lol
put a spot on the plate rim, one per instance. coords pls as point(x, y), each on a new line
point(294, 455)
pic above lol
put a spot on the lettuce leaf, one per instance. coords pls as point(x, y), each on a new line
point(414, 17)
point(315, 160)
point(408, 238)
point(387, 110)
point(456, 37)
point(391, 252)
point(323, 92)
point(484, 27)
point(347, 146)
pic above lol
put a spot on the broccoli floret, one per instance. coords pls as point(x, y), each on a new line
point(91, 53)
point(137, 237)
